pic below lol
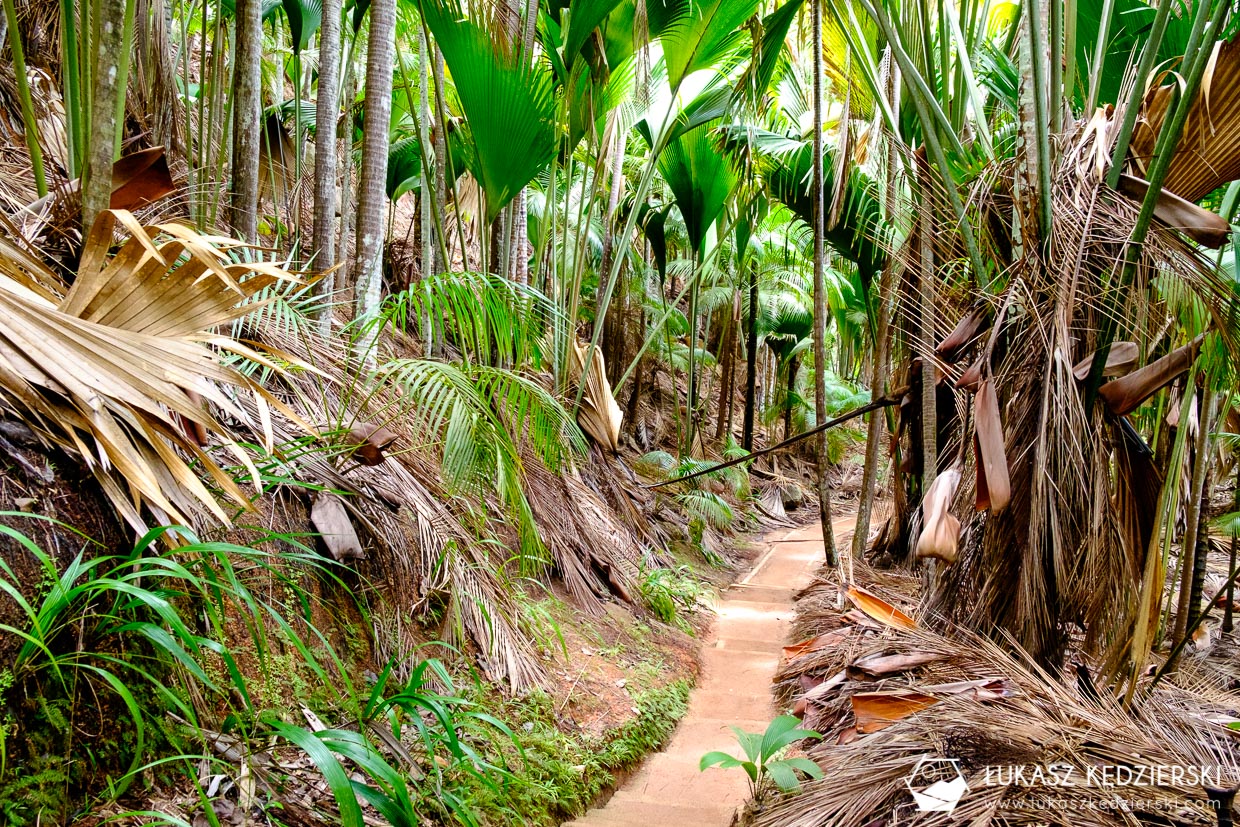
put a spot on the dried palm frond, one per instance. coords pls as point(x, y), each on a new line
point(985, 707)
point(1208, 154)
point(110, 371)
point(599, 416)
point(940, 529)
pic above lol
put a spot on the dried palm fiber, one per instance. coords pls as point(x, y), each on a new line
point(596, 555)
point(418, 546)
point(1208, 154)
point(110, 368)
point(1059, 556)
point(1034, 719)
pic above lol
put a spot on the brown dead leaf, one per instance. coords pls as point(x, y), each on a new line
point(1120, 361)
point(847, 736)
point(331, 520)
point(993, 456)
point(369, 441)
point(879, 609)
point(877, 666)
point(879, 710)
point(815, 643)
point(965, 332)
point(1125, 395)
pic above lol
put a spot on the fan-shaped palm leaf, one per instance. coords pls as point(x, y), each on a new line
point(506, 99)
point(701, 179)
point(106, 372)
point(694, 35)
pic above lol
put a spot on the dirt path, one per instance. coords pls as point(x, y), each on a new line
point(739, 660)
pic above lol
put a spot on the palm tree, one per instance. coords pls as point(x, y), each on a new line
point(247, 119)
point(372, 181)
point(327, 113)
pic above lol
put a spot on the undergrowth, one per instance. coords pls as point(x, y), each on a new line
point(561, 774)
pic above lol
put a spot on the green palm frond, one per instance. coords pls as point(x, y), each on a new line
point(507, 101)
point(701, 179)
point(696, 36)
point(485, 316)
point(709, 508)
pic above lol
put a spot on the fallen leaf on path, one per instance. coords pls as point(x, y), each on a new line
point(877, 666)
point(880, 609)
point(847, 736)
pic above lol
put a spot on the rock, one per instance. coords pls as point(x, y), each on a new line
point(792, 495)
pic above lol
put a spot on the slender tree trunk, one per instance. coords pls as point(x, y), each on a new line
point(371, 190)
point(348, 197)
point(441, 155)
point(109, 42)
point(794, 367)
point(751, 360)
point(1192, 517)
point(1228, 610)
point(879, 358)
point(929, 394)
point(327, 113)
point(727, 350)
point(820, 300)
point(247, 119)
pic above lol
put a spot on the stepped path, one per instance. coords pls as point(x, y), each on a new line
point(739, 659)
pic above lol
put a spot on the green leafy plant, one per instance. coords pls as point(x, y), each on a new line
point(763, 761)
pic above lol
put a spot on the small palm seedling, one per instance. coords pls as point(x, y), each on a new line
point(763, 760)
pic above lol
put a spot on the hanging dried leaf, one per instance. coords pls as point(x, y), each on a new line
point(600, 416)
point(971, 378)
point(940, 529)
point(1198, 223)
point(1120, 361)
point(964, 334)
point(993, 456)
point(331, 520)
point(879, 609)
point(1125, 395)
point(140, 178)
point(369, 442)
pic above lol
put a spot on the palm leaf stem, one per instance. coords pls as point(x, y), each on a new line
point(1100, 56)
point(428, 186)
point(1144, 67)
point(23, 94)
point(639, 197)
point(925, 104)
point(970, 80)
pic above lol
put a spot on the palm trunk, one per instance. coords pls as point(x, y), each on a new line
point(926, 335)
point(820, 302)
point(371, 190)
point(327, 112)
point(727, 350)
point(108, 38)
point(878, 367)
point(751, 360)
point(1192, 517)
point(794, 366)
point(247, 119)
point(1228, 611)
